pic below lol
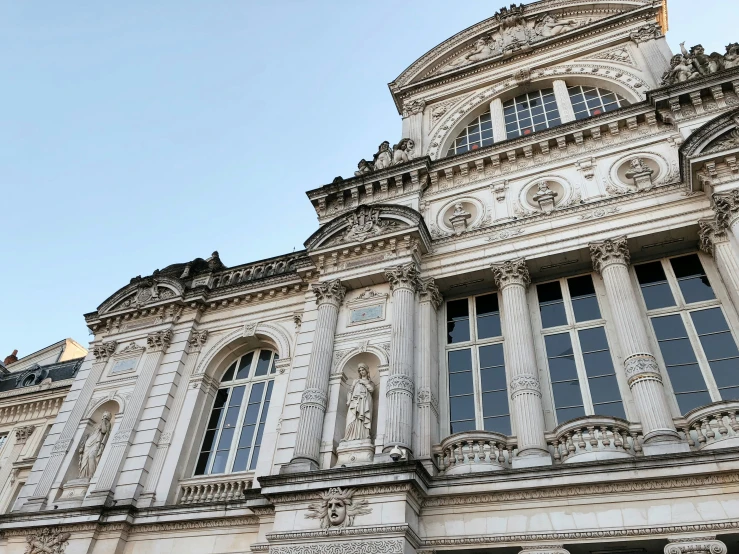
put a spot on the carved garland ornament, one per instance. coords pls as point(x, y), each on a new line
point(401, 384)
point(611, 251)
point(330, 292)
point(511, 272)
point(314, 397)
point(525, 383)
point(641, 366)
point(47, 541)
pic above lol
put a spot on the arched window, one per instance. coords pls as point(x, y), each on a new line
point(530, 112)
point(236, 424)
point(589, 101)
point(478, 133)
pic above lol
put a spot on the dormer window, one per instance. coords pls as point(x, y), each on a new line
point(477, 134)
point(530, 112)
point(590, 101)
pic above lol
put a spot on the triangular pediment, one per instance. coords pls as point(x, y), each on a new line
point(510, 31)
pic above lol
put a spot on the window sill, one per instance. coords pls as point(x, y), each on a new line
point(229, 487)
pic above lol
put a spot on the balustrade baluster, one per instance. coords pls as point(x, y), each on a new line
point(699, 433)
point(618, 441)
point(722, 430)
point(593, 437)
point(604, 436)
point(709, 430)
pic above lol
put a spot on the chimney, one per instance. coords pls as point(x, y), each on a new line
point(11, 359)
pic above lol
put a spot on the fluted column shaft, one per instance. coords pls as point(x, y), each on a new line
point(512, 278)
point(427, 371)
point(399, 416)
point(714, 240)
point(329, 297)
point(611, 259)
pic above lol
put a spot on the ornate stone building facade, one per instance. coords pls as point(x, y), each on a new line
point(515, 329)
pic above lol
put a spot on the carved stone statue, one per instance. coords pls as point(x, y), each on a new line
point(545, 196)
point(731, 58)
point(705, 65)
point(92, 446)
point(359, 400)
point(696, 63)
point(641, 173)
point(680, 71)
point(482, 49)
point(550, 26)
point(337, 508)
point(402, 151)
point(383, 158)
point(364, 167)
point(459, 218)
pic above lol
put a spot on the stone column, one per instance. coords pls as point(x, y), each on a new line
point(107, 476)
point(545, 549)
point(195, 342)
point(714, 240)
point(512, 278)
point(329, 297)
point(404, 283)
point(695, 545)
point(102, 352)
point(426, 430)
point(498, 119)
point(564, 104)
point(611, 259)
point(726, 206)
point(413, 123)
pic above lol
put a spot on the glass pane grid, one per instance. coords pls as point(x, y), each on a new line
point(530, 112)
point(478, 133)
point(590, 101)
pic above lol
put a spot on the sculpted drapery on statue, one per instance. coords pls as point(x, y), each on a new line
point(92, 447)
point(696, 63)
point(359, 415)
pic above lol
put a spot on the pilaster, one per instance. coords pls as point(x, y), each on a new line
point(512, 278)
point(714, 240)
point(413, 122)
point(329, 297)
point(611, 259)
point(726, 206)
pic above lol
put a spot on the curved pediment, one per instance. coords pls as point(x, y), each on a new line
point(511, 30)
point(364, 223)
point(141, 292)
point(718, 136)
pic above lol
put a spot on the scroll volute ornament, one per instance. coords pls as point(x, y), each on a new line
point(403, 276)
point(609, 252)
point(511, 272)
point(330, 292)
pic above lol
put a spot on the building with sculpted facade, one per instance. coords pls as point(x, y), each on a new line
point(514, 330)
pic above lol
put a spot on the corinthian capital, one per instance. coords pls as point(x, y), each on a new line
point(104, 350)
point(511, 272)
point(709, 233)
point(403, 277)
point(330, 292)
point(611, 251)
point(430, 292)
point(159, 340)
point(726, 206)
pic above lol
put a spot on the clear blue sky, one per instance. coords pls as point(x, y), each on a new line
point(138, 134)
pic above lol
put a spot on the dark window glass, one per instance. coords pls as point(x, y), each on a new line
point(488, 316)
point(457, 321)
point(470, 138)
point(244, 366)
point(682, 367)
point(692, 279)
point(519, 111)
point(602, 380)
point(494, 387)
point(584, 301)
point(551, 305)
point(461, 391)
point(720, 349)
point(654, 286)
point(563, 373)
point(265, 356)
point(229, 375)
point(589, 101)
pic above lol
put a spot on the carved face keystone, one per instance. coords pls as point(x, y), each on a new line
point(336, 512)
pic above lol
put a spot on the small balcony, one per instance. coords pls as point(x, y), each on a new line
point(214, 488)
point(475, 452)
point(594, 438)
point(711, 427)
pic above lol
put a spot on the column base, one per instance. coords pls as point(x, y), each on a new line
point(299, 465)
point(657, 448)
point(34, 504)
point(531, 461)
point(146, 500)
point(99, 498)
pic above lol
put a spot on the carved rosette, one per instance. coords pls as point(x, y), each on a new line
point(314, 397)
point(400, 384)
point(641, 366)
point(511, 272)
point(104, 350)
point(23, 433)
point(611, 251)
point(122, 436)
point(696, 545)
point(403, 277)
point(429, 292)
point(330, 292)
point(197, 340)
point(726, 206)
point(61, 446)
point(159, 340)
point(47, 540)
point(525, 383)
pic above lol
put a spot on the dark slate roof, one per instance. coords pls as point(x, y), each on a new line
point(35, 374)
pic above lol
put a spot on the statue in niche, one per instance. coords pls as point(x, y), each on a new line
point(383, 158)
point(402, 151)
point(550, 26)
point(92, 446)
point(359, 400)
point(337, 508)
point(731, 58)
point(364, 167)
point(641, 173)
point(545, 197)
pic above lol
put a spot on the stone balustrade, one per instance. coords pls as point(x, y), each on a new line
point(254, 272)
point(712, 426)
point(220, 488)
point(475, 451)
point(594, 438)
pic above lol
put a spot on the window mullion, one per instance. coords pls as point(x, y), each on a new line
point(582, 375)
point(677, 294)
point(700, 355)
point(219, 431)
point(256, 427)
point(477, 388)
point(238, 427)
